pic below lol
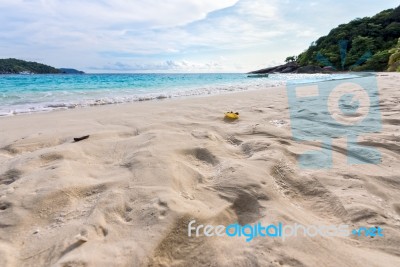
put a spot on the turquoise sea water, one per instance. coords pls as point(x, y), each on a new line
point(35, 93)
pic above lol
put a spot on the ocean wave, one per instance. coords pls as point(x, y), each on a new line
point(29, 102)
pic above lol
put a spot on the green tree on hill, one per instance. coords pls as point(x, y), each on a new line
point(291, 59)
point(376, 35)
point(15, 66)
point(394, 59)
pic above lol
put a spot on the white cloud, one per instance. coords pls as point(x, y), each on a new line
point(168, 65)
point(144, 34)
point(261, 9)
point(133, 25)
point(153, 13)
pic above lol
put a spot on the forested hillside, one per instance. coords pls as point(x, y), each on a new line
point(362, 44)
point(16, 66)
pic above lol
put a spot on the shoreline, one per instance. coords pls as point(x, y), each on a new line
point(219, 90)
point(152, 102)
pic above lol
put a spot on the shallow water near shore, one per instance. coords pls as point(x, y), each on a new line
point(35, 93)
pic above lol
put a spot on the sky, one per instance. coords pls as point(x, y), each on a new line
point(107, 36)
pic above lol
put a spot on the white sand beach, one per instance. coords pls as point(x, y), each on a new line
point(125, 195)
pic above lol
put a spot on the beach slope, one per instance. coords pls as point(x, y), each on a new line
point(125, 195)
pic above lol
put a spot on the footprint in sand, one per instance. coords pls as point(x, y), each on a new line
point(204, 156)
point(49, 157)
point(31, 145)
point(308, 190)
point(10, 176)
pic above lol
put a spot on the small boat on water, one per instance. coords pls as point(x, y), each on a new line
point(264, 75)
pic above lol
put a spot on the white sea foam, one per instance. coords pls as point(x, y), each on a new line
point(40, 101)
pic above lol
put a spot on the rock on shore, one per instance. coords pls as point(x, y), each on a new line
point(293, 67)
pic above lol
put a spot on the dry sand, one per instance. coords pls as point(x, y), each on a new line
point(124, 196)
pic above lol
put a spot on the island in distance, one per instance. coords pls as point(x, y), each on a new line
point(17, 66)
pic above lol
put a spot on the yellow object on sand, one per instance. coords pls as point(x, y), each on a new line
point(231, 115)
